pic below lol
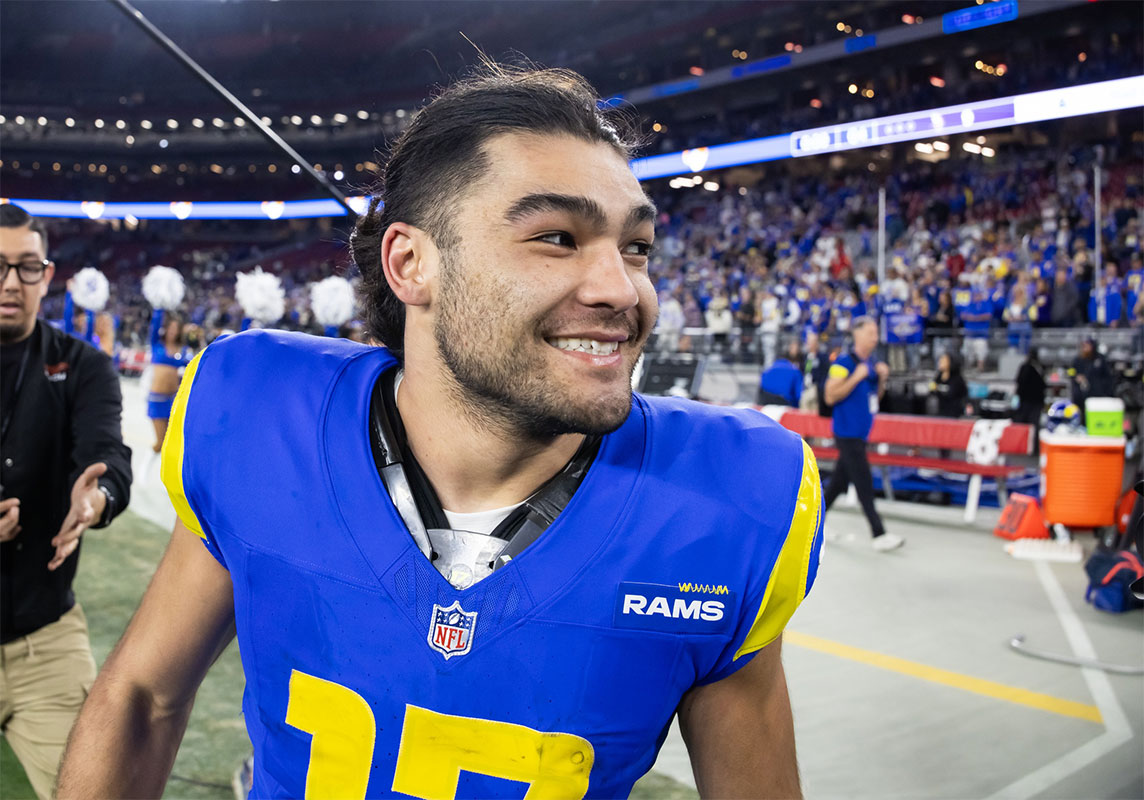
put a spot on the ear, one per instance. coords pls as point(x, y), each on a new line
point(409, 259)
point(49, 273)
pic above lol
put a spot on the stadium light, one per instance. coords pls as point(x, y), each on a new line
point(971, 147)
point(198, 123)
point(70, 122)
point(218, 122)
point(363, 114)
point(145, 124)
point(924, 124)
point(98, 122)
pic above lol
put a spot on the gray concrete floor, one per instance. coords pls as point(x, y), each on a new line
point(901, 678)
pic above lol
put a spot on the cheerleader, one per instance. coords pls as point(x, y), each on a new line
point(169, 354)
point(164, 289)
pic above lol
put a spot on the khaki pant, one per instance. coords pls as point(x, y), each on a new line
point(44, 679)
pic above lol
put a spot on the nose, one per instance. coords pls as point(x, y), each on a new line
point(11, 280)
point(608, 281)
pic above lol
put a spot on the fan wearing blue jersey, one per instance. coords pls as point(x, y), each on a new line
point(472, 561)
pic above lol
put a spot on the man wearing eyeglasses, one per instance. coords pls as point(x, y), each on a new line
point(63, 469)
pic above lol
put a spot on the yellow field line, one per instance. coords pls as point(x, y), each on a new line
point(998, 691)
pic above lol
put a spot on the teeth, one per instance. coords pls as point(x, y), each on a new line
point(590, 346)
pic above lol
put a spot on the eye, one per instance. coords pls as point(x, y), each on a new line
point(641, 249)
point(558, 238)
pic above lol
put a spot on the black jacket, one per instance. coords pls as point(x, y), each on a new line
point(66, 417)
point(952, 395)
point(1030, 393)
point(1100, 380)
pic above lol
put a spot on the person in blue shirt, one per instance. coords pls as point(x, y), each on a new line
point(962, 296)
point(1105, 302)
point(855, 383)
point(975, 320)
point(1134, 283)
point(781, 382)
point(471, 563)
point(998, 298)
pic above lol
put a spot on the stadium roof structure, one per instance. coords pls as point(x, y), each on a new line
point(923, 124)
point(93, 111)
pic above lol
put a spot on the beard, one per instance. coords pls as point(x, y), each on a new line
point(498, 360)
point(15, 330)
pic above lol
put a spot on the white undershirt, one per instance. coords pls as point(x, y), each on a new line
point(475, 521)
point(478, 521)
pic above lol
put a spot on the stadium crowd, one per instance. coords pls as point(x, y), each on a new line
point(973, 246)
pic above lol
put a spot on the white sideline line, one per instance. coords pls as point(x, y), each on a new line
point(1117, 730)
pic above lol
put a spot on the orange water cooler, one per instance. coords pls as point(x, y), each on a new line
point(1081, 478)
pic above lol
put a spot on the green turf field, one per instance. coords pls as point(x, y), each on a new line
point(115, 566)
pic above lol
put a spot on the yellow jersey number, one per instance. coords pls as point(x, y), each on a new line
point(434, 748)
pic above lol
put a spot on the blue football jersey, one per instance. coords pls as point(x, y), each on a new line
point(690, 542)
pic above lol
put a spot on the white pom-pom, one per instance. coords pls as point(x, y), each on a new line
point(163, 288)
point(261, 296)
point(90, 290)
point(332, 300)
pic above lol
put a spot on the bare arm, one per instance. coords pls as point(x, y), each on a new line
point(126, 737)
point(740, 734)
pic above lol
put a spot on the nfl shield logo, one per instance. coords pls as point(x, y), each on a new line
point(451, 630)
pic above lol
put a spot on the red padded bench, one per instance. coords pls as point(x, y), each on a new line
point(132, 361)
point(985, 442)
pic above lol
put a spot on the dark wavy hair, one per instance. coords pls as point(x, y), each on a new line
point(12, 216)
point(442, 153)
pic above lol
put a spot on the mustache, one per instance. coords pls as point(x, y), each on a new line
point(625, 322)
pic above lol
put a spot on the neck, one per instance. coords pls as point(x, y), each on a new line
point(473, 463)
point(17, 337)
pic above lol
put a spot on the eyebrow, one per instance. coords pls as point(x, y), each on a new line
point(577, 205)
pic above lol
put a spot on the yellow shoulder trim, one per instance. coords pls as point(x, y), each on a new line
point(837, 371)
point(787, 584)
point(171, 465)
